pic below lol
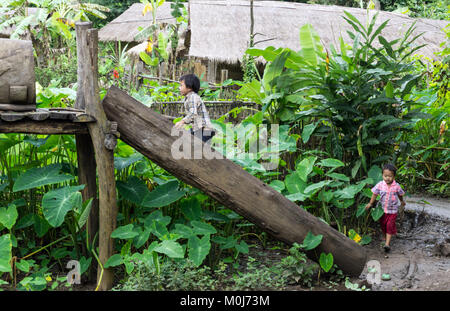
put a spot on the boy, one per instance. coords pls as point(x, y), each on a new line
point(391, 198)
point(196, 113)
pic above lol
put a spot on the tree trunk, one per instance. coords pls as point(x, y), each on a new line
point(150, 134)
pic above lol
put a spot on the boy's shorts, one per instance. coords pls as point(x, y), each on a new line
point(387, 222)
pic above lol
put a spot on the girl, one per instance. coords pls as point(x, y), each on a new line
point(391, 198)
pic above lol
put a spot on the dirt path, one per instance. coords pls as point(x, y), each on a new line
point(420, 253)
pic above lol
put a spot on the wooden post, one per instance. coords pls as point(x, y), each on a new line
point(223, 75)
point(211, 71)
point(87, 46)
point(85, 150)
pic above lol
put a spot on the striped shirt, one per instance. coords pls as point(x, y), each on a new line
point(389, 196)
point(196, 112)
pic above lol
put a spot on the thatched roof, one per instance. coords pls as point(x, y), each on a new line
point(126, 26)
point(220, 29)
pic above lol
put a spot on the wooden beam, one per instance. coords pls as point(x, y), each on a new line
point(150, 134)
point(87, 167)
point(89, 97)
point(46, 127)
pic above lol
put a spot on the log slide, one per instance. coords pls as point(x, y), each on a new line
point(150, 134)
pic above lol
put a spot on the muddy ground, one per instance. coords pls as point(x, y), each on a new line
point(420, 254)
point(419, 259)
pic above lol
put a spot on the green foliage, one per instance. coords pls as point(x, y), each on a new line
point(5, 253)
point(354, 97)
point(295, 268)
point(435, 9)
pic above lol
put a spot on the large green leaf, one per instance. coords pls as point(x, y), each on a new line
point(377, 212)
point(307, 131)
point(8, 141)
point(183, 230)
point(311, 48)
point(198, 249)
point(242, 247)
point(114, 260)
point(294, 183)
point(318, 185)
point(56, 203)
point(123, 162)
point(163, 195)
point(202, 228)
point(375, 174)
point(5, 253)
point(143, 236)
point(40, 176)
point(40, 226)
point(326, 261)
point(274, 69)
point(148, 59)
point(329, 162)
point(157, 216)
point(311, 241)
point(134, 189)
point(338, 176)
point(191, 208)
point(297, 197)
point(124, 232)
point(253, 90)
point(170, 248)
point(305, 167)
point(8, 216)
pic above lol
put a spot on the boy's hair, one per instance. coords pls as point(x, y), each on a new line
point(390, 167)
point(191, 81)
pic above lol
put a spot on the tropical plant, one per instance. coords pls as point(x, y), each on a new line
point(355, 98)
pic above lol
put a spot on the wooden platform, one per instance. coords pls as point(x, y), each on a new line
point(45, 121)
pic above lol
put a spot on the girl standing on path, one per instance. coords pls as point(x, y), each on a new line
point(391, 198)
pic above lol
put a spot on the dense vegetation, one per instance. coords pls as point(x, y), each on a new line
point(342, 113)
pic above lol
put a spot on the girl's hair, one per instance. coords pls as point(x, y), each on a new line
point(191, 81)
point(390, 167)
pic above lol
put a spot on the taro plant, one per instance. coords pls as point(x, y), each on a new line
point(318, 187)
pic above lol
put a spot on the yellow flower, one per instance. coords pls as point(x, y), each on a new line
point(147, 8)
point(357, 238)
point(149, 46)
point(48, 278)
point(371, 5)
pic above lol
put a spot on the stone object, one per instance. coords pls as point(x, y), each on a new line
point(17, 79)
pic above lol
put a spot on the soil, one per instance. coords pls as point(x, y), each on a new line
point(419, 259)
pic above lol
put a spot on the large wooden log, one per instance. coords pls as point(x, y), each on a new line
point(150, 133)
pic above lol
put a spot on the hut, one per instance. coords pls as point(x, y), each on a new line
point(218, 32)
point(220, 29)
point(126, 27)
